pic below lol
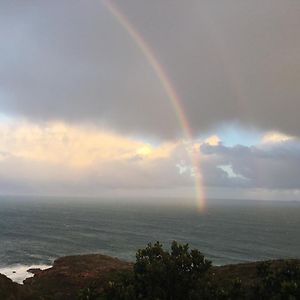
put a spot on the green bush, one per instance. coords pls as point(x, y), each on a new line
point(121, 287)
point(184, 274)
point(278, 284)
point(161, 275)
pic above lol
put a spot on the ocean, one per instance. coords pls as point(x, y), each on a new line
point(34, 231)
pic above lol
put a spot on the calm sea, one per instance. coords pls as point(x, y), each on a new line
point(35, 231)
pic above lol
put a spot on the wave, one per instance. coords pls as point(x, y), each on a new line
point(18, 273)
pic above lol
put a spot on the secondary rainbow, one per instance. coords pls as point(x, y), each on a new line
point(169, 89)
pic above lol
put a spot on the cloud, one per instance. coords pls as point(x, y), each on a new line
point(87, 92)
point(68, 159)
point(213, 140)
point(60, 158)
point(272, 166)
point(231, 61)
point(275, 137)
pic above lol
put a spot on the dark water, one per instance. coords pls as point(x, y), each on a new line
point(34, 231)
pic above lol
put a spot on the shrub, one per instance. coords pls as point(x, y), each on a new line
point(162, 275)
point(282, 283)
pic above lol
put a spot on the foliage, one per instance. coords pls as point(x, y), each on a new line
point(160, 274)
point(88, 293)
point(278, 284)
point(212, 290)
point(121, 287)
point(184, 274)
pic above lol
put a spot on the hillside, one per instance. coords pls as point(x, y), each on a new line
point(72, 273)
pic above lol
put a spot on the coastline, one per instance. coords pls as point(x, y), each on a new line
point(70, 274)
point(19, 273)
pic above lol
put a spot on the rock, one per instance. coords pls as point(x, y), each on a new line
point(64, 280)
point(10, 290)
point(72, 273)
point(34, 271)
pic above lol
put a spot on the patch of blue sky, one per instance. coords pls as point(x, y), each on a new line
point(5, 118)
point(234, 134)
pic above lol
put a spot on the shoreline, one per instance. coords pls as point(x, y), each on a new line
point(71, 274)
point(18, 273)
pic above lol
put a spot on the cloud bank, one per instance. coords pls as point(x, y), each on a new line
point(229, 61)
point(69, 160)
point(272, 165)
point(79, 99)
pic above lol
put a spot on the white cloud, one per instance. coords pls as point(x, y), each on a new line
point(213, 140)
point(59, 158)
point(275, 137)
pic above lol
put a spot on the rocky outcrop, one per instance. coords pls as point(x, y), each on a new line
point(10, 290)
point(70, 274)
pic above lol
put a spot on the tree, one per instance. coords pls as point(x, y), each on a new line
point(160, 274)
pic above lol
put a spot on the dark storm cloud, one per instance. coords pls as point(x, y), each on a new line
point(230, 61)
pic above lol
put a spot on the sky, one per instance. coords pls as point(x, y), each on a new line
point(115, 98)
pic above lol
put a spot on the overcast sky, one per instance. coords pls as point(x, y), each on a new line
point(83, 111)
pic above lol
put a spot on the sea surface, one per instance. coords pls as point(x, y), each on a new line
point(35, 231)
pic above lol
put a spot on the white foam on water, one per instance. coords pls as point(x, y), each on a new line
point(18, 273)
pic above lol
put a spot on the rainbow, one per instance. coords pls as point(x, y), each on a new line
point(169, 90)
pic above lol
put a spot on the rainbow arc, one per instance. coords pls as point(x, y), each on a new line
point(169, 90)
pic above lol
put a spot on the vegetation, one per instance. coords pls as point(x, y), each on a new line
point(183, 274)
point(283, 283)
point(158, 274)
